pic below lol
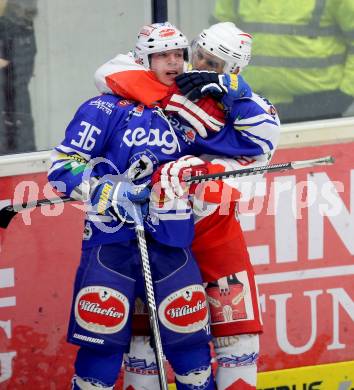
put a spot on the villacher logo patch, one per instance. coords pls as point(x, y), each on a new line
point(101, 309)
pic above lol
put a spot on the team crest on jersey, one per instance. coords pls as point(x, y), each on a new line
point(142, 165)
point(185, 310)
point(101, 309)
point(188, 133)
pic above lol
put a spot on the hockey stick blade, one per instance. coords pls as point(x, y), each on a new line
point(6, 214)
point(328, 160)
point(8, 211)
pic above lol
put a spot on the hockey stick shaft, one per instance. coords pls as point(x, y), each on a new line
point(150, 298)
point(261, 169)
point(7, 212)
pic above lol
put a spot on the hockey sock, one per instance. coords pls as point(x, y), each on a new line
point(237, 361)
point(192, 367)
point(93, 368)
point(140, 366)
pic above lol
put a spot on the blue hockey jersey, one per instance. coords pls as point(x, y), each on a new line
point(111, 135)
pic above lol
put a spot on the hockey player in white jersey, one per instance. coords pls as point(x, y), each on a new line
point(219, 245)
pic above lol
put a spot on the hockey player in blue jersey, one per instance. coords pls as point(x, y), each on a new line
point(111, 148)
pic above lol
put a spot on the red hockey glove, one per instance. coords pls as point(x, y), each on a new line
point(168, 181)
point(202, 115)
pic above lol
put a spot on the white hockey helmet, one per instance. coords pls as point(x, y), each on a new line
point(156, 38)
point(226, 41)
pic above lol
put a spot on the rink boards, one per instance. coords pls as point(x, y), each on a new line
point(335, 376)
point(300, 239)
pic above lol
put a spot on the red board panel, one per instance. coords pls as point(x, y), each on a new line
point(304, 264)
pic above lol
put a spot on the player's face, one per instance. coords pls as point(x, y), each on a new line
point(167, 65)
point(203, 60)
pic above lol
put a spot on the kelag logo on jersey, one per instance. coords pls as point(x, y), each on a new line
point(185, 310)
point(101, 309)
point(153, 137)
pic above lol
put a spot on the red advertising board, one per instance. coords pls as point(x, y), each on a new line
point(300, 233)
point(303, 242)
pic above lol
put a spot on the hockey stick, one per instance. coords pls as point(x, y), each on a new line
point(150, 296)
point(8, 211)
point(329, 160)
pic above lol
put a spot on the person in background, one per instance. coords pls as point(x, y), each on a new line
point(17, 53)
point(303, 54)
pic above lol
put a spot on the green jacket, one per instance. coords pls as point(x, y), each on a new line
point(299, 46)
